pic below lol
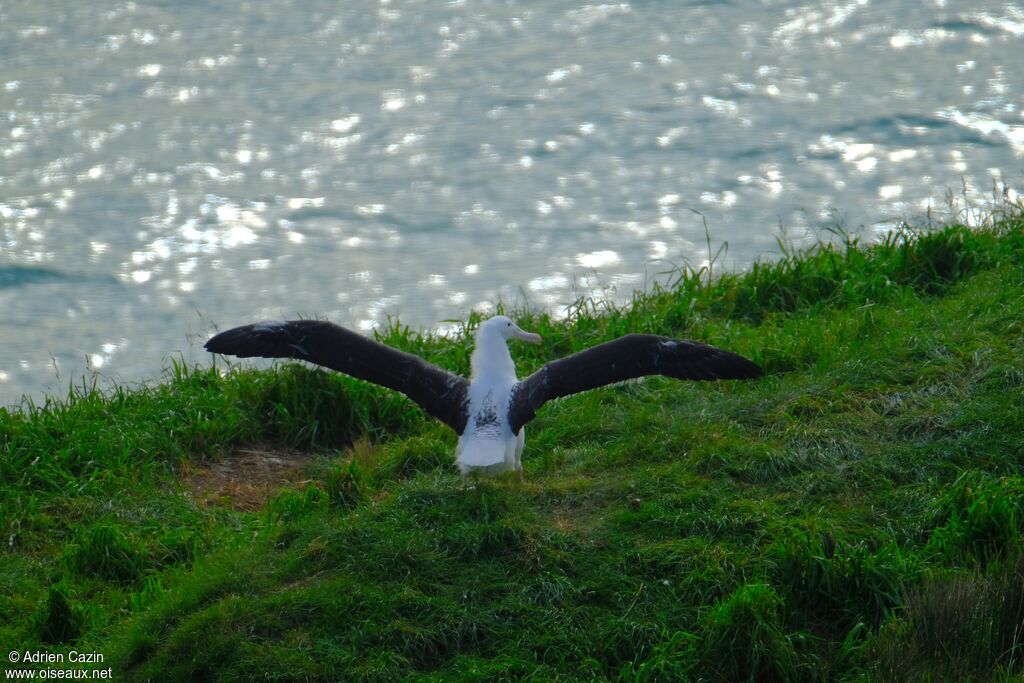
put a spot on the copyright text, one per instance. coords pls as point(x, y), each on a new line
point(76, 659)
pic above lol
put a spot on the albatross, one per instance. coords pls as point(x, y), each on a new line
point(489, 411)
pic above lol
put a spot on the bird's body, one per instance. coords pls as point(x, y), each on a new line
point(490, 410)
point(488, 443)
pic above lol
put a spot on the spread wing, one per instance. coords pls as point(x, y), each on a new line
point(440, 393)
point(628, 357)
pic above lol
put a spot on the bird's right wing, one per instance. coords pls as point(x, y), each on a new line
point(628, 357)
point(440, 393)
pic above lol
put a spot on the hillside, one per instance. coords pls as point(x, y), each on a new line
point(855, 515)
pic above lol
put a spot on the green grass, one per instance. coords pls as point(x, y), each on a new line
point(855, 515)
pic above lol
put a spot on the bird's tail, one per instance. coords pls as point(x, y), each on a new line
point(480, 453)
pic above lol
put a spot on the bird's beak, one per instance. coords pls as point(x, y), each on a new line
point(525, 336)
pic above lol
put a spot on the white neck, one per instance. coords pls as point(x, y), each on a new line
point(491, 357)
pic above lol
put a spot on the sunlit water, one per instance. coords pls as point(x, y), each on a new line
point(171, 166)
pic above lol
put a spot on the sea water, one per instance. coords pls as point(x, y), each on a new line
point(170, 167)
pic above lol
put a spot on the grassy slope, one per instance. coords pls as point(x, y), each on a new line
point(857, 513)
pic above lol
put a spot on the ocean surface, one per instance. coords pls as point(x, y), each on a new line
point(168, 167)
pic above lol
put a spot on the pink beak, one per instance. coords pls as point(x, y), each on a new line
point(522, 335)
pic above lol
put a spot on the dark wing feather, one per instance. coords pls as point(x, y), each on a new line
point(634, 355)
point(440, 393)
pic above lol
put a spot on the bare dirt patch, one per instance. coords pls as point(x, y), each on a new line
point(246, 479)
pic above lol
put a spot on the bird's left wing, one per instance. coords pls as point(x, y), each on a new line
point(440, 393)
point(628, 357)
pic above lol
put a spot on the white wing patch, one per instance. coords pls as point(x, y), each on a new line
point(269, 326)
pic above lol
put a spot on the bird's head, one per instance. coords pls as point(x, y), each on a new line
point(503, 327)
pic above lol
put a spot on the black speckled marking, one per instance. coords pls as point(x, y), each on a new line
point(487, 416)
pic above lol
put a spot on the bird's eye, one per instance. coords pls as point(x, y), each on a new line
point(508, 324)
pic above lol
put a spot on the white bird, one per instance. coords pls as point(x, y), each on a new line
point(490, 410)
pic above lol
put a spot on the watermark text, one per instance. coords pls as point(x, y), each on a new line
point(42, 665)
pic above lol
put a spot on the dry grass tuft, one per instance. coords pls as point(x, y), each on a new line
point(246, 479)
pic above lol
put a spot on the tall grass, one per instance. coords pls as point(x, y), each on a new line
point(958, 627)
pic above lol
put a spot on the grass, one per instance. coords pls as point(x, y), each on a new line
point(855, 515)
